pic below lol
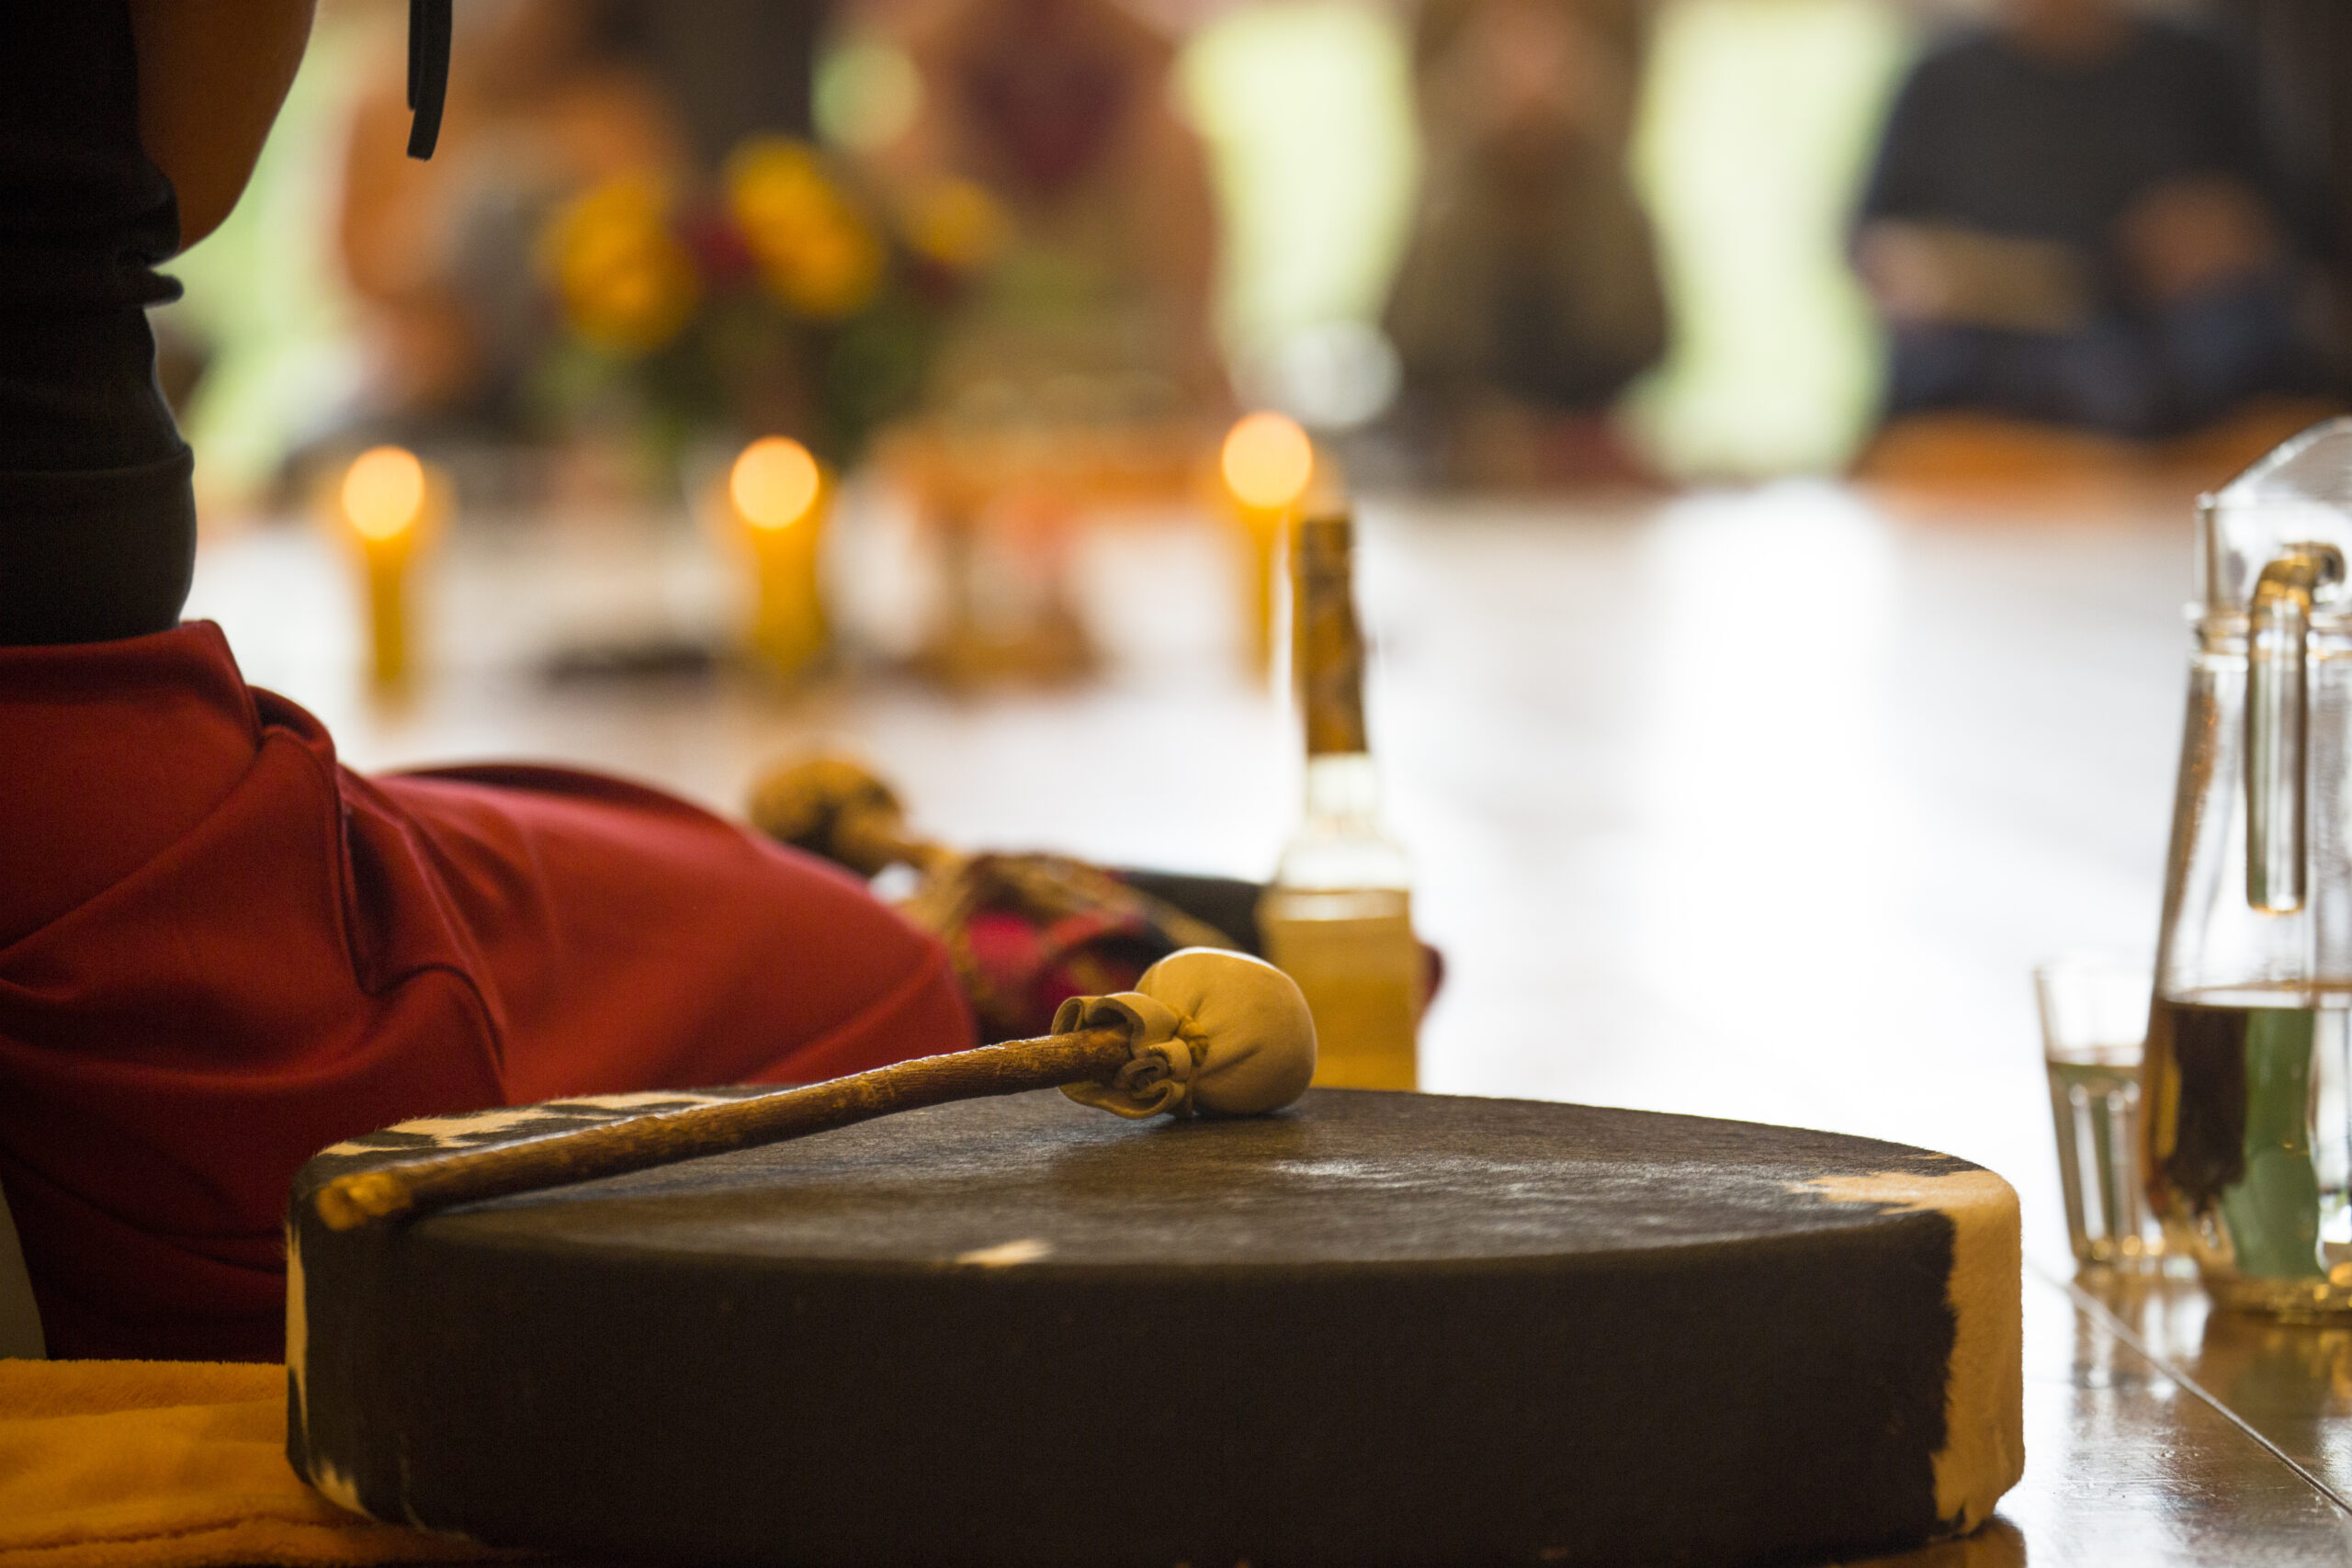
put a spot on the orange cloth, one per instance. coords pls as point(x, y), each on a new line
point(171, 1464)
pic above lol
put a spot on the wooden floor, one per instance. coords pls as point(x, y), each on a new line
point(1758, 804)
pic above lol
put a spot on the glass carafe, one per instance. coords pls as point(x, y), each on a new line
point(2247, 1129)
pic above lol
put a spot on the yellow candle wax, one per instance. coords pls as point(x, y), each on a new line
point(389, 503)
point(1266, 463)
point(777, 494)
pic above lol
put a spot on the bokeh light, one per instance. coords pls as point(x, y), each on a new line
point(868, 92)
point(775, 483)
point(1268, 460)
point(383, 492)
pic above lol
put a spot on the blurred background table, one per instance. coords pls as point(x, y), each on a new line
point(1757, 802)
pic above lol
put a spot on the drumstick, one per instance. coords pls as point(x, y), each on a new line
point(1203, 1031)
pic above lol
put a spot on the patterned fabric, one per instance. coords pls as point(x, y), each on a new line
point(1026, 931)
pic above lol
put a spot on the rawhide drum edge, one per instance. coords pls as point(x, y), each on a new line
point(1375, 1329)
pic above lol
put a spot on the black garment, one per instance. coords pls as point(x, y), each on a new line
point(1986, 136)
point(97, 521)
point(731, 68)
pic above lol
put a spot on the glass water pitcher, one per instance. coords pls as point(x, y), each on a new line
point(2246, 1126)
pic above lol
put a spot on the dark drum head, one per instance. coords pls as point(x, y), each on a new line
point(1376, 1329)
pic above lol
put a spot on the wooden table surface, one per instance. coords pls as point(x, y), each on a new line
point(2147, 1450)
point(1757, 803)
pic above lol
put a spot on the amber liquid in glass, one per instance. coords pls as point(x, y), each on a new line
point(1354, 955)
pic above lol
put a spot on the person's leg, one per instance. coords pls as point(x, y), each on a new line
point(1933, 367)
point(630, 941)
point(2105, 378)
point(2222, 345)
point(220, 952)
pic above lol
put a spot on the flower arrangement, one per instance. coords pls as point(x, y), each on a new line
point(785, 300)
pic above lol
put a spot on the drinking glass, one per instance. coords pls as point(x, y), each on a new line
point(2094, 1019)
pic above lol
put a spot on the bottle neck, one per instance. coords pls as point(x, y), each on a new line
point(1329, 643)
point(1343, 794)
point(1341, 844)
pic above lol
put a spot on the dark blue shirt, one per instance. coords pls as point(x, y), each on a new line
point(1986, 136)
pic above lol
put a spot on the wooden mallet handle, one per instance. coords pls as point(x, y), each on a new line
point(418, 1187)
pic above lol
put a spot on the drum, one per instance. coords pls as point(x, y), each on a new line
point(1375, 1329)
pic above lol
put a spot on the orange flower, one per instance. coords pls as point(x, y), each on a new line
point(815, 249)
point(626, 285)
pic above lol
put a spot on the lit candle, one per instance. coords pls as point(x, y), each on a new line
point(777, 493)
point(389, 503)
point(1267, 463)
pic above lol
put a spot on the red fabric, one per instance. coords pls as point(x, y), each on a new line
point(221, 951)
point(1029, 966)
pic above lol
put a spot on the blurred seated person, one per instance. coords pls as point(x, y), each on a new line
point(730, 69)
point(1076, 362)
point(1530, 295)
point(2068, 223)
point(546, 100)
point(1095, 305)
point(220, 950)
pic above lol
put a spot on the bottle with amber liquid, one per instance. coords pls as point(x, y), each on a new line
point(1339, 917)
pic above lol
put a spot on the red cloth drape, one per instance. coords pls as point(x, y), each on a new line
point(221, 951)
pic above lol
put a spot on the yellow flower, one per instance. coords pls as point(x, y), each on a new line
point(814, 247)
point(956, 224)
point(626, 285)
point(775, 184)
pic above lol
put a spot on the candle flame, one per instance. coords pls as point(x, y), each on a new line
point(1268, 460)
point(383, 492)
point(775, 483)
